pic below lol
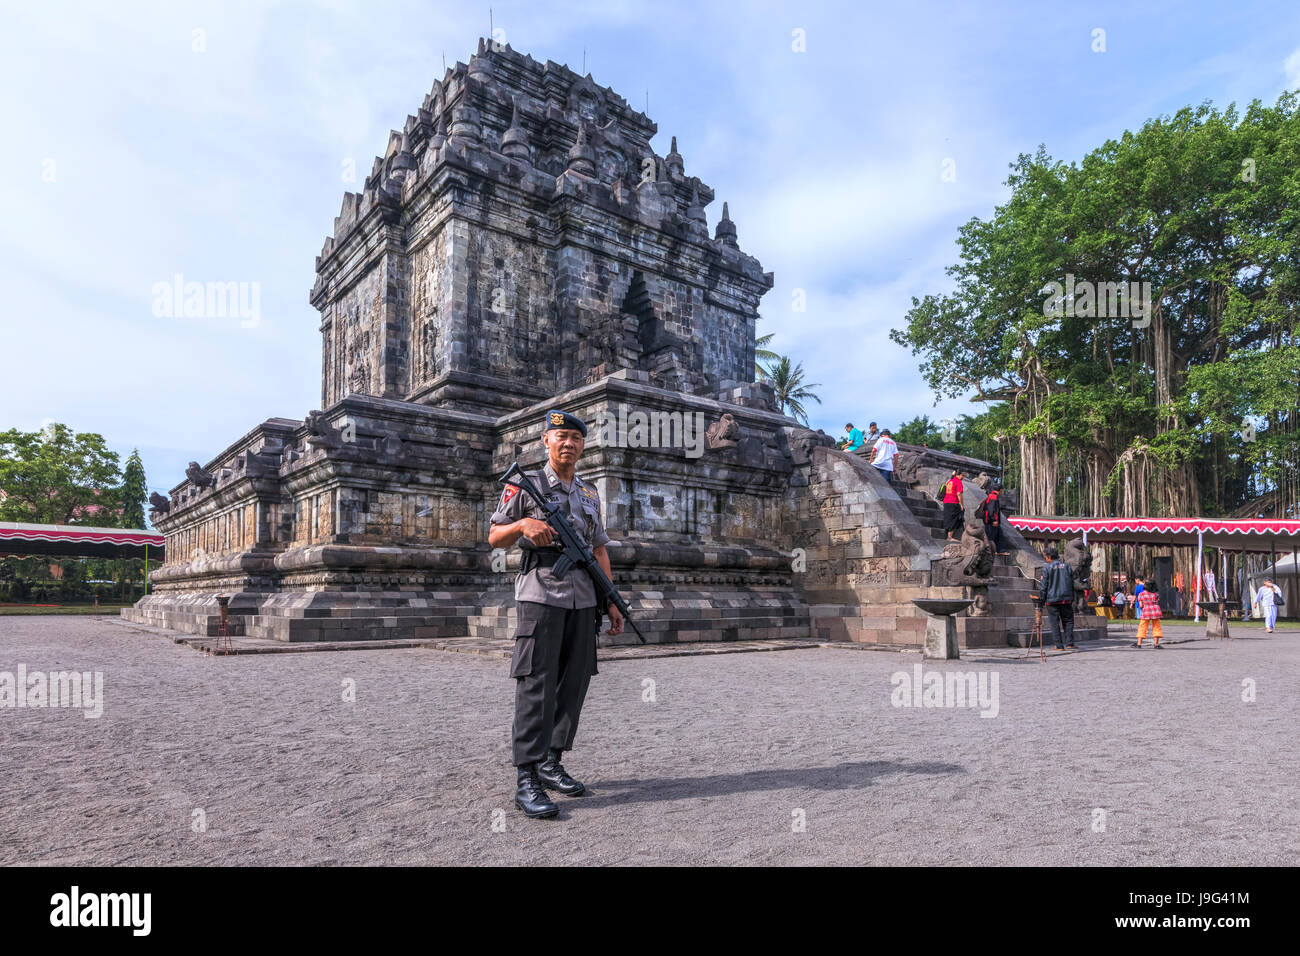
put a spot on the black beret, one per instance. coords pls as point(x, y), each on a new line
point(558, 419)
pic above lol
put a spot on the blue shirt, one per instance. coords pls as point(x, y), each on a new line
point(855, 439)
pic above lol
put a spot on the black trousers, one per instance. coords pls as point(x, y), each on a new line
point(994, 531)
point(952, 517)
point(1062, 614)
point(554, 658)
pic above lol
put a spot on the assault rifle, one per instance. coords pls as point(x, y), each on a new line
point(575, 554)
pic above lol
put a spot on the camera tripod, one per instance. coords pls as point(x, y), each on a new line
point(1037, 635)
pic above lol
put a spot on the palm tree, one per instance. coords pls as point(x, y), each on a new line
point(763, 354)
point(791, 391)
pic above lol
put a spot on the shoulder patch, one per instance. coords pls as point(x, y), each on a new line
point(509, 493)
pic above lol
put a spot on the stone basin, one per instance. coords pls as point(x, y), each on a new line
point(942, 605)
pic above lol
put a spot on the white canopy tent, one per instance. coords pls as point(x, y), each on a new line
point(1286, 576)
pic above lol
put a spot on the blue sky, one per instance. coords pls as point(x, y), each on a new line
point(132, 157)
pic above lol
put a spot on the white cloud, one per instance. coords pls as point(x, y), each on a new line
point(843, 342)
point(1291, 67)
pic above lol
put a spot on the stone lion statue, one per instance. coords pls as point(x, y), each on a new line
point(1078, 559)
point(967, 561)
point(908, 466)
point(198, 477)
point(724, 432)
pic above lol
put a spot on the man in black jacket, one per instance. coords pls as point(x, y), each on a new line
point(1058, 598)
point(991, 511)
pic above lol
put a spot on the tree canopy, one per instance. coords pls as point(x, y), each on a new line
point(790, 389)
point(134, 492)
point(58, 477)
point(1109, 399)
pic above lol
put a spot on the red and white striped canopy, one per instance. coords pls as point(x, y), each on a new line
point(1231, 534)
point(18, 538)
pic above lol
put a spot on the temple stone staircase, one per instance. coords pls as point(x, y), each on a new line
point(1012, 593)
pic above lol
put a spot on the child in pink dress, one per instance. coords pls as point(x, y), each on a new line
point(1149, 614)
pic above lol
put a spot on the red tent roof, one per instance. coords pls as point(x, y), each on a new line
point(1231, 534)
point(25, 539)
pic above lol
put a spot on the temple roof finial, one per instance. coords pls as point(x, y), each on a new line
point(582, 158)
point(726, 231)
point(674, 159)
point(515, 141)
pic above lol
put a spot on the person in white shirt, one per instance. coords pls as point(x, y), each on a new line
point(886, 451)
point(1119, 598)
point(1266, 601)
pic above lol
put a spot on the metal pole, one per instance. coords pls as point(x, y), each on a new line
point(1089, 583)
point(1272, 546)
point(1200, 544)
point(1250, 564)
point(1294, 590)
point(146, 567)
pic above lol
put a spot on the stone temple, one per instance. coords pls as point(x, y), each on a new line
point(520, 246)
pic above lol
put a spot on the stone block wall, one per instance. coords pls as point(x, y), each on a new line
point(867, 556)
point(380, 509)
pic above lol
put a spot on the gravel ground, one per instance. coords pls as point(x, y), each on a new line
point(732, 754)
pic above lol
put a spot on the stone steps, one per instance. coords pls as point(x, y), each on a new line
point(377, 626)
point(1011, 594)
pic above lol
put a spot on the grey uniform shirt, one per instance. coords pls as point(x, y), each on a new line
point(580, 503)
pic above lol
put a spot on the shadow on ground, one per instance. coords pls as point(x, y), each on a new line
point(844, 776)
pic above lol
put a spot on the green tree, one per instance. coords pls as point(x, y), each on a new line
point(920, 431)
point(8, 575)
point(1113, 407)
point(1184, 404)
point(49, 476)
point(791, 390)
point(134, 492)
point(984, 437)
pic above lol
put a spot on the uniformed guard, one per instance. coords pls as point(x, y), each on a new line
point(555, 640)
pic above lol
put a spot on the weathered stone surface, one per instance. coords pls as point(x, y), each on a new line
point(496, 265)
point(1078, 559)
point(941, 638)
point(968, 561)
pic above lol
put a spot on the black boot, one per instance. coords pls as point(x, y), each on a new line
point(531, 797)
point(553, 775)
